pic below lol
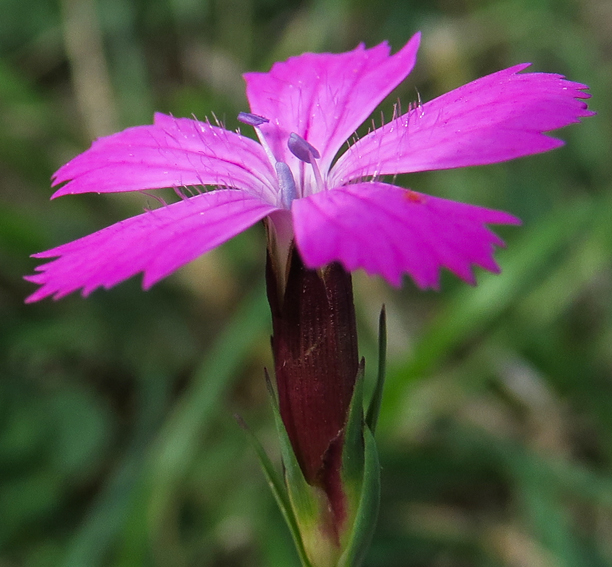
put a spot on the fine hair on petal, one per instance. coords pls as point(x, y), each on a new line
point(158, 198)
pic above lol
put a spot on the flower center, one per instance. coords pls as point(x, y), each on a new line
point(299, 147)
point(307, 153)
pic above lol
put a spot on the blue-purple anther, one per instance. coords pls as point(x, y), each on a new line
point(301, 149)
point(307, 153)
point(286, 183)
point(252, 119)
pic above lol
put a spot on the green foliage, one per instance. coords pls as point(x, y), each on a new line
point(117, 442)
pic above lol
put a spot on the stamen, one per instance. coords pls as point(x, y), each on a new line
point(307, 153)
point(286, 183)
point(317, 174)
point(256, 121)
point(252, 119)
point(301, 149)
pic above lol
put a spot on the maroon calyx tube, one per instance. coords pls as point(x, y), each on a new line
point(315, 351)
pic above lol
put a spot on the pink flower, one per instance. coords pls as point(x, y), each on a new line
point(336, 208)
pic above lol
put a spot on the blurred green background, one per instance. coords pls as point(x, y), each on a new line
point(117, 442)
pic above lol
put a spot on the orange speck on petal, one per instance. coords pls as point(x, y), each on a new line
point(414, 197)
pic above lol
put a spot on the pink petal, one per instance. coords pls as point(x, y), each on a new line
point(389, 231)
point(157, 243)
point(174, 152)
point(325, 97)
point(499, 117)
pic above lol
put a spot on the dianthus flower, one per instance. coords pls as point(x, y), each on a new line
point(334, 207)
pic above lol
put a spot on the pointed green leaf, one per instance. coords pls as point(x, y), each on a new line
point(306, 506)
point(374, 408)
point(352, 451)
point(367, 511)
point(278, 489)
